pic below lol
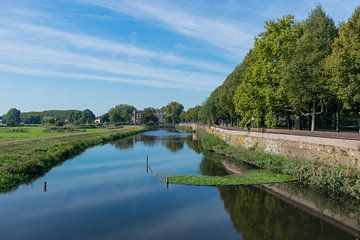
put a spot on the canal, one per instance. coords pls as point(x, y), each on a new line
point(106, 193)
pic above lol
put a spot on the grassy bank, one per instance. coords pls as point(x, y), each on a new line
point(330, 178)
point(29, 132)
point(20, 162)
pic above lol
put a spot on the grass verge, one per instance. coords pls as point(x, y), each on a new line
point(335, 179)
point(21, 162)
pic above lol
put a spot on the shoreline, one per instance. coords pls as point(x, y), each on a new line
point(21, 162)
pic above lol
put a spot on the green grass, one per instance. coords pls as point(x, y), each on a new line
point(22, 161)
point(18, 133)
point(335, 179)
point(252, 177)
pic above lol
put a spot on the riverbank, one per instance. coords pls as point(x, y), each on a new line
point(22, 161)
point(336, 179)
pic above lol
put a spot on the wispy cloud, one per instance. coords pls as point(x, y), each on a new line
point(228, 34)
point(34, 50)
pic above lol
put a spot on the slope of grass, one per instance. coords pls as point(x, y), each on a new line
point(19, 133)
point(20, 162)
point(335, 179)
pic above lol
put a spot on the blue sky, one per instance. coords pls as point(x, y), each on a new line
point(77, 54)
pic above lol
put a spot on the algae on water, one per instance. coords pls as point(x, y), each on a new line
point(252, 177)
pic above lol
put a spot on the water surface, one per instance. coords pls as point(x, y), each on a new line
point(105, 193)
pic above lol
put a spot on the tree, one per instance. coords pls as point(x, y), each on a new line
point(49, 120)
point(87, 117)
point(173, 111)
point(304, 77)
point(343, 65)
point(105, 118)
point(75, 117)
point(121, 113)
point(261, 92)
point(148, 116)
point(12, 118)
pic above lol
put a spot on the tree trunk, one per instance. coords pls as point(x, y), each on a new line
point(313, 117)
point(359, 121)
point(298, 121)
point(338, 120)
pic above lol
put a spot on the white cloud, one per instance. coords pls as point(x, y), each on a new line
point(227, 34)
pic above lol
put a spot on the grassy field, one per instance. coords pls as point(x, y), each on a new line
point(21, 161)
point(18, 133)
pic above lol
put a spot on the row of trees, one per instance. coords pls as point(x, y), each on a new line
point(123, 113)
point(120, 114)
point(297, 74)
point(59, 117)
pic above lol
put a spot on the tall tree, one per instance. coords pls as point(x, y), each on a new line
point(87, 117)
point(261, 92)
point(148, 116)
point(343, 65)
point(12, 118)
point(121, 113)
point(173, 111)
point(306, 84)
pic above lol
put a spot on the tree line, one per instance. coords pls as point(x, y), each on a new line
point(301, 75)
point(120, 114)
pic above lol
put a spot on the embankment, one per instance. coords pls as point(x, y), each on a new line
point(21, 161)
point(333, 173)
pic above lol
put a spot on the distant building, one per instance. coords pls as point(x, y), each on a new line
point(160, 115)
point(1, 120)
point(98, 120)
point(136, 117)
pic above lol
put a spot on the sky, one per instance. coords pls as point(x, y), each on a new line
point(95, 54)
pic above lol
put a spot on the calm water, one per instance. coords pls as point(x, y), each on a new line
point(105, 193)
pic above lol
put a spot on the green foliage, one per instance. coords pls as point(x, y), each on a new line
point(261, 92)
point(121, 114)
point(87, 117)
point(172, 112)
point(149, 117)
point(304, 77)
point(294, 72)
point(191, 115)
point(12, 118)
point(343, 65)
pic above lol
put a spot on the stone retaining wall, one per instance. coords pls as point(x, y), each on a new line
point(327, 150)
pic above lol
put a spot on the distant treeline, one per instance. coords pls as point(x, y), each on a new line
point(297, 75)
point(120, 114)
point(58, 117)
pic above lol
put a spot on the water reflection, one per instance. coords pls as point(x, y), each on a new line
point(105, 193)
point(259, 215)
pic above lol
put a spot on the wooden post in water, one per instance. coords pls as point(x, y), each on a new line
point(45, 186)
point(147, 163)
point(167, 183)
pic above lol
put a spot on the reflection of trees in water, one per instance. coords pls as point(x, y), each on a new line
point(194, 145)
point(148, 140)
point(174, 144)
point(124, 143)
point(259, 215)
point(210, 165)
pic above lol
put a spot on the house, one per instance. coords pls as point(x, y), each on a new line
point(136, 117)
point(160, 115)
point(98, 120)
